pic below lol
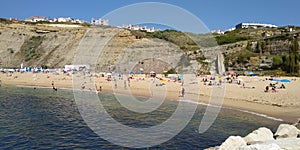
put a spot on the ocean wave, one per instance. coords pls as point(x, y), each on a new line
point(230, 108)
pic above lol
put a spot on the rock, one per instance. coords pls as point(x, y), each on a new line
point(263, 146)
point(289, 143)
point(233, 143)
point(280, 144)
point(286, 131)
point(260, 135)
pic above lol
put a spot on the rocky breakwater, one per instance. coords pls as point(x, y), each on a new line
point(285, 138)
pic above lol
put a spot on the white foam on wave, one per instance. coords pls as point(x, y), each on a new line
point(230, 108)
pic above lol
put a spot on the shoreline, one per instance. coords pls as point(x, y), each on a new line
point(264, 115)
point(267, 105)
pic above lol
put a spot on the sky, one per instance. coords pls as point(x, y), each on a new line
point(214, 14)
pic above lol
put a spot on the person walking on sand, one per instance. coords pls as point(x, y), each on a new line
point(181, 92)
point(125, 84)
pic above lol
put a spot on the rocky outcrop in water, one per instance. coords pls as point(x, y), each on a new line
point(286, 138)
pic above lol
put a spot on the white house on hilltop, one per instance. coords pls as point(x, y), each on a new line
point(36, 19)
point(142, 28)
point(254, 25)
point(218, 31)
point(60, 19)
point(99, 22)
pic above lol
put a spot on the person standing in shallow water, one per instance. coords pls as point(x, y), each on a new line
point(53, 87)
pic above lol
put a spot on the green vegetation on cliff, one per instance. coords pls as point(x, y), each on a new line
point(231, 37)
point(178, 38)
point(269, 49)
point(30, 48)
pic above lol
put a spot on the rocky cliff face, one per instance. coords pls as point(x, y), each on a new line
point(38, 45)
point(58, 45)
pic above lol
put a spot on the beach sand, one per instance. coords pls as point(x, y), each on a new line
point(283, 104)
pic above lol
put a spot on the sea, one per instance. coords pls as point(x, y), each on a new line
point(40, 118)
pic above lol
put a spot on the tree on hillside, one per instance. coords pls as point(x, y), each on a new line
point(277, 61)
point(291, 61)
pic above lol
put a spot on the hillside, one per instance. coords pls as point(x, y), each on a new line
point(56, 45)
point(264, 50)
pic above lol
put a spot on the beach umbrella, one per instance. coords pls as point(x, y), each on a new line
point(131, 72)
point(250, 73)
point(231, 72)
point(217, 79)
point(180, 76)
point(173, 77)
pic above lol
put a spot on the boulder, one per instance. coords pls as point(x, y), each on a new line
point(286, 131)
point(289, 143)
point(280, 144)
point(258, 136)
point(263, 146)
point(233, 143)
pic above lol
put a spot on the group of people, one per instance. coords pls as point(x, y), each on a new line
point(273, 87)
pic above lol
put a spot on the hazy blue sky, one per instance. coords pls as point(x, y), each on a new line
point(216, 14)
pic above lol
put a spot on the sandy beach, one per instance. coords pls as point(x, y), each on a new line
point(249, 95)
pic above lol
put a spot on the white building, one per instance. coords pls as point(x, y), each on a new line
point(218, 31)
point(142, 28)
point(61, 19)
point(103, 22)
point(36, 19)
point(254, 25)
point(79, 21)
point(76, 67)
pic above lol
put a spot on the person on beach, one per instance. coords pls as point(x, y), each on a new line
point(115, 82)
point(98, 90)
point(82, 86)
point(128, 82)
point(274, 90)
point(125, 84)
point(0, 82)
point(181, 92)
point(282, 86)
point(54, 88)
point(267, 89)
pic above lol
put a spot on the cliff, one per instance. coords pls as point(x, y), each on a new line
point(56, 45)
